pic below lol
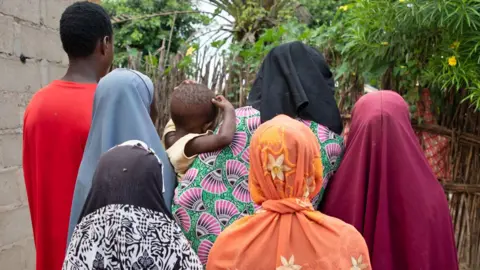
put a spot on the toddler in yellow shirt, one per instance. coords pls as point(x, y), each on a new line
point(193, 110)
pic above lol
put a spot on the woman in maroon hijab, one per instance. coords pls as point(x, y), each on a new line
point(386, 189)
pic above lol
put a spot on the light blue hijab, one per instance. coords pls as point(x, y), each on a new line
point(120, 113)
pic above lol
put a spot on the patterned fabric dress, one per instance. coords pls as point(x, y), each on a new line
point(129, 237)
point(214, 191)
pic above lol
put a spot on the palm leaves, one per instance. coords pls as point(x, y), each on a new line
point(252, 17)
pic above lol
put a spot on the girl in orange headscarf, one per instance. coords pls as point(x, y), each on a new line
point(287, 233)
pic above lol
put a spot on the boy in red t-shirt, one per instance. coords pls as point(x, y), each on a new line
point(56, 126)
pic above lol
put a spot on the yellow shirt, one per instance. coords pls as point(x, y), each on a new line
point(176, 153)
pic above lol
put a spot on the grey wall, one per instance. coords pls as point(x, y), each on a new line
point(28, 27)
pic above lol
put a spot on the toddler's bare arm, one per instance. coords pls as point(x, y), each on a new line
point(209, 143)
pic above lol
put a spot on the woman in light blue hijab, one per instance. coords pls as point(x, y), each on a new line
point(121, 112)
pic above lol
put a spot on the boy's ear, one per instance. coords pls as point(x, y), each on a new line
point(209, 126)
point(105, 43)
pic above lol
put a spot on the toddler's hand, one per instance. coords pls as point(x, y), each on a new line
point(222, 103)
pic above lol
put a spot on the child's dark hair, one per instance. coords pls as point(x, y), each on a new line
point(82, 25)
point(192, 103)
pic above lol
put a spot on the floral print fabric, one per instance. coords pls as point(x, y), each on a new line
point(129, 237)
point(214, 192)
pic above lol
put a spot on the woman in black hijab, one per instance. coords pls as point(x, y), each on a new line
point(295, 80)
point(125, 223)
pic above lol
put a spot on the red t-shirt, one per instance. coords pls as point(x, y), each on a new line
point(55, 131)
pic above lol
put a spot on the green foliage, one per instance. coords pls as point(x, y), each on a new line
point(403, 45)
point(251, 17)
point(145, 36)
point(322, 11)
point(253, 54)
point(187, 62)
point(289, 30)
point(408, 44)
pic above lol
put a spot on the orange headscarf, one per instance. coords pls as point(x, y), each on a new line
point(287, 233)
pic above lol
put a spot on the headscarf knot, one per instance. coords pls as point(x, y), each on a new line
point(287, 206)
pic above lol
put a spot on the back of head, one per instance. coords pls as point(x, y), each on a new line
point(382, 142)
point(191, 106)
point(140, 174)
point(295, 80)
point(302, 54)
point(121, 85)
point(289, 151)
point(384, 116)
point(82, 26)
point(385, 179)
point(86, 34)
point(378, 108)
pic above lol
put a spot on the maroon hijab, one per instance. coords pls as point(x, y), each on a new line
point(386, 189)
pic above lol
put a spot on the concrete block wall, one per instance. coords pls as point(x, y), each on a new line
point(28, 28)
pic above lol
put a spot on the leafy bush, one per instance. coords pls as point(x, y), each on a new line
point(405, 45)
point(141, 37)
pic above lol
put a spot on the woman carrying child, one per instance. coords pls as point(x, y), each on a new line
point(294, 80)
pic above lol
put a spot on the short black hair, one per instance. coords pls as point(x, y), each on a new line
point(192, 102)
point(82, 25)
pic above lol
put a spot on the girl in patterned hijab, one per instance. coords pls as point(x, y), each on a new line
point(286, 232)
point(125, 223)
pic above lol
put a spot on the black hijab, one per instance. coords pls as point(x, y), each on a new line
point(127, 175)
point(295, 80)
point(125, 223)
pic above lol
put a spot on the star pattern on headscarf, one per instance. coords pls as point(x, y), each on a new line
point(276, 167)
point(357, 263)
point(288, 265)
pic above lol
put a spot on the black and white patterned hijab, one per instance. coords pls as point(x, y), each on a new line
point(125, 223)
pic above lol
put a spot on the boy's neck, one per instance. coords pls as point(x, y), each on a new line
point(174, 136)
point(179, 133)
point(82, 71)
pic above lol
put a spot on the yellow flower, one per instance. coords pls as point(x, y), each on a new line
point(401, 1)
point(452, 61)
point(385, 43)
point(190, 51)
point(276, 167)
point(288, 265)
point(357, 264)
point(343, 8)
point(455, 45)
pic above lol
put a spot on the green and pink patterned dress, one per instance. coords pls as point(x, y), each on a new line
point(214, 191)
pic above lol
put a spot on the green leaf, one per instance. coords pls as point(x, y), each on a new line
point(132, 52)
point(342, 70)
point(218, 43)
